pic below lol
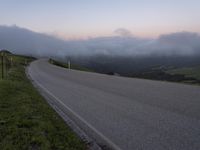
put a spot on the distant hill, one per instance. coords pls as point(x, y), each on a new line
point(26, 42)
point(5, 51)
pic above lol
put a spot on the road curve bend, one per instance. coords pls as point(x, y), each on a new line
point(124, 113)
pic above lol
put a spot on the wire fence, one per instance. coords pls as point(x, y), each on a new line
point(5, 64)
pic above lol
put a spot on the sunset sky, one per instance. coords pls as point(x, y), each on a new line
point(93, 18)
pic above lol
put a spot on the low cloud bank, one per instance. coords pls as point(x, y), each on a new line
point(23, 41)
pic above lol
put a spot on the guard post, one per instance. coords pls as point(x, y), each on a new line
point(2, 65)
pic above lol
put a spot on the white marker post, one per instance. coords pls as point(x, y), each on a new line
point(11, 61)
point(69, 64)
point(2, 66)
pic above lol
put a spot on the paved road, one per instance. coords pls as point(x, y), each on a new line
point(132, 114)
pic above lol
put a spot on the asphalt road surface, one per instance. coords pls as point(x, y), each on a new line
point(130, 114)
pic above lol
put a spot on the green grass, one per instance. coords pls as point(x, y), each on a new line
point(27, 122)
point(72, 66)
point(188, 72)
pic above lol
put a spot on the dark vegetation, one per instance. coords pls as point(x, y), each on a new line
point(164, 76)
point(127, 65)
point(26, 120)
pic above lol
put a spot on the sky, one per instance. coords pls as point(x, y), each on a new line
point(76, 19)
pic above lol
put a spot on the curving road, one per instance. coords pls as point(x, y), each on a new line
point(125, 113)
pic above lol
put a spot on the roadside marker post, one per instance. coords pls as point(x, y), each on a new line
point(69, 64)
point(5, 65)
point(11, 61)
point(25, 62)
point(2, 66)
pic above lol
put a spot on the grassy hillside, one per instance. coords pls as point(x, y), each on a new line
point(162, 73)
point(72, 65)
point(193, 72)
point(27, 122)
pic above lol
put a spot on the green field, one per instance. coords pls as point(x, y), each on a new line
point(27, 122)
point(193, 72)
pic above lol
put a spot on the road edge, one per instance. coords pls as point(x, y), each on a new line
point(92, 145)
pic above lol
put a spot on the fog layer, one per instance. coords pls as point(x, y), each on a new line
point(22, 41)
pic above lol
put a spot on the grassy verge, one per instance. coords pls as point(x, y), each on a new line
point(26, 120)
point(72, 65)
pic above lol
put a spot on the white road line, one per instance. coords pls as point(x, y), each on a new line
point(80, 118)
